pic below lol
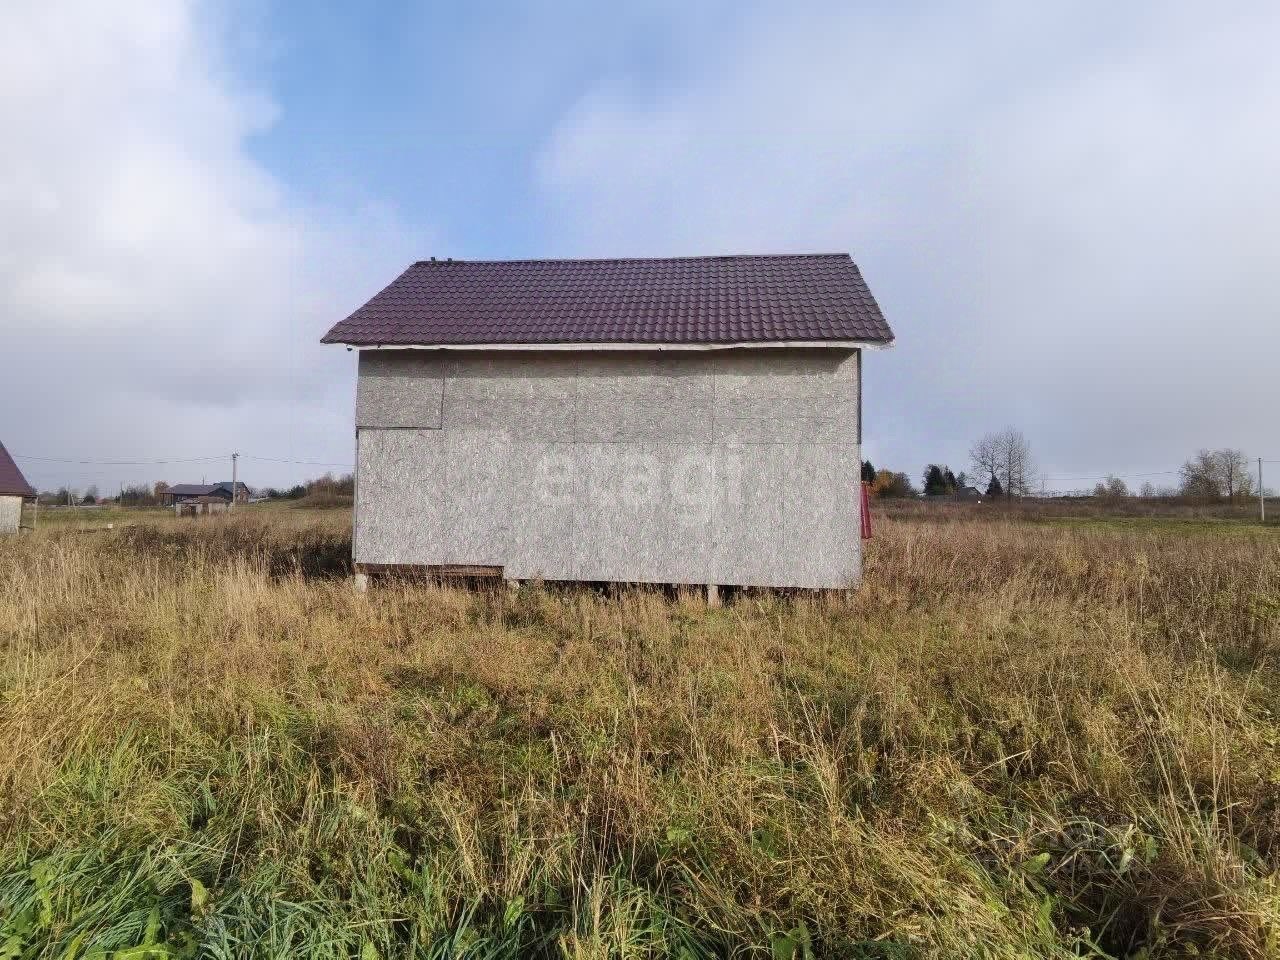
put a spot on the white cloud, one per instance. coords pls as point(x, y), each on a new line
point(160, 294)
point(1066, 210)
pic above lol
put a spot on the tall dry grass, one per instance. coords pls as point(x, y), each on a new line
point(1013, 741)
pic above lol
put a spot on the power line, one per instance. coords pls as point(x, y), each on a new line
point(1156, 473)
point(116, 463)
point(64, 473)
point(305, 463)
point(168, 460)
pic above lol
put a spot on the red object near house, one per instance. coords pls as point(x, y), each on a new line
point(865, 511)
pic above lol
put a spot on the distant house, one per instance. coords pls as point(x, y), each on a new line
point(198, 498)
point(14, 489)
point(185, 491)
point(682, 420)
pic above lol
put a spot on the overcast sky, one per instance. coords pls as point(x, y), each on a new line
point(1069, 211)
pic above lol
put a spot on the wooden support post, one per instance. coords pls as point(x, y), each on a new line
point(361, 582)
point(713, 595)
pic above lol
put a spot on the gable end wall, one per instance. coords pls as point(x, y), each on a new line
point(730, 467)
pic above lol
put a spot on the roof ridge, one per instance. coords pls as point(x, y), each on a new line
point(703, 257)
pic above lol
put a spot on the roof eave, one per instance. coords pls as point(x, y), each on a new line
point(630, 345)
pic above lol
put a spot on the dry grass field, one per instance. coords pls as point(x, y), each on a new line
point(1018, 739)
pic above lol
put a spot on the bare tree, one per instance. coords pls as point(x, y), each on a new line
point(1214, 474)
point(1199, 477)
point(1006, 457)
point(1113, 488)
point(1018, 466)
point(985, 457)
point(1233, 468)
point(1148, 491)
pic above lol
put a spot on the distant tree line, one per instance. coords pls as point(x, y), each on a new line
point(1001, 462)
point(327, 486)
point(284, 493)
point(69, 496)
point(1003, 466)
point(1211, 476)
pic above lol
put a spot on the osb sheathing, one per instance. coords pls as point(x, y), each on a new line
point(724, 466)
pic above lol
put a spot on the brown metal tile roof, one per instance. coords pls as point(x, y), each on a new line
point(682, 300)
point(12, 483)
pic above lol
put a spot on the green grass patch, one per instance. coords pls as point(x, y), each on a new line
point(1183, 526)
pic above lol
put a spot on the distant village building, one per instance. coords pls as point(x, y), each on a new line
point(197, 506)
point(193, 499)
point(682, 420)
point(14, 490)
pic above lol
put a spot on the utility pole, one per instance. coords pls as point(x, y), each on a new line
point(1262, 495)
point(234, 458)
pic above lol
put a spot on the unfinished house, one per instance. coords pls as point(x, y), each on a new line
point(200, 506)
point(678, 421)
point(14, 491)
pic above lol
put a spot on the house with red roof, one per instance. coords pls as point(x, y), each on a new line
point(14, 489)
point(691, 420)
